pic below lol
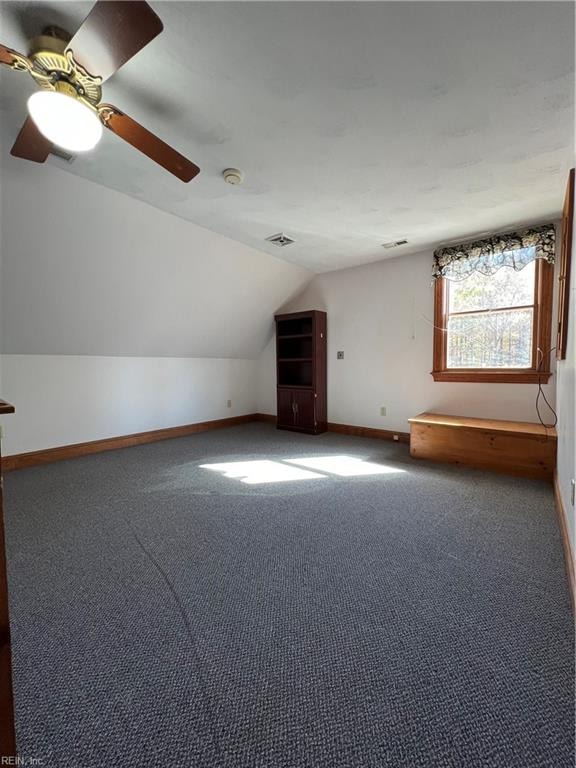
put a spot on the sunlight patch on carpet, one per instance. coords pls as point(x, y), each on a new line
point(345, 466)
point(284, 470)
point(264, 471)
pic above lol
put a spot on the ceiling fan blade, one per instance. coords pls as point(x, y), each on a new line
point(146, 142)
point(113, 32)
point(30, 144)
point(8, 56)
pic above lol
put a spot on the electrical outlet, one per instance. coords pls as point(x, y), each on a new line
point(339, 355)
point(396, 438)
point(382, 410)
point(229, 403)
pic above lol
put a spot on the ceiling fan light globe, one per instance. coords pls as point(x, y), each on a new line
point(65, 121)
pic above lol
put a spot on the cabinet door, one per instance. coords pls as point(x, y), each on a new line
point(286, 410)
point(305, 408)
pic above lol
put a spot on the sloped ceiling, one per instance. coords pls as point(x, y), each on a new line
point(355, 123)
point(90, 271)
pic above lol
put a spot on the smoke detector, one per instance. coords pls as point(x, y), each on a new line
point(233, 176)
point(280, 239)
point(394, 244)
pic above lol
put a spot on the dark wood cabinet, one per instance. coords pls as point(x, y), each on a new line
point(301, 371)
point(285, 418)
point(7, 734)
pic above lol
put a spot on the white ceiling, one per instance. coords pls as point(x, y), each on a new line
point(355, 124)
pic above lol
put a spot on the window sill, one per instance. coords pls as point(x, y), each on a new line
point(490, 376)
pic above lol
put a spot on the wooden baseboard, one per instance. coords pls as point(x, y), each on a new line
point(349, 429)
point(565, 535)
point(49, 455)
point(267, 418)
point(382, 434)
point(23, 460)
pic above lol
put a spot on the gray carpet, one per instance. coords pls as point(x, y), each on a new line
point(167, 615)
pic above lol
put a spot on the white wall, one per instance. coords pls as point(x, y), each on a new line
point(90, 271)
point(119, 318)
point(381, 316)
point(566, 406)
point(68, 399)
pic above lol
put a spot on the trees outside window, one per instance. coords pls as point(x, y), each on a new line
point(494, 327)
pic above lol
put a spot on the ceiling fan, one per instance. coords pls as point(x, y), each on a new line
point(68, 112)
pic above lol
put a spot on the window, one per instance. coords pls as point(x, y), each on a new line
point(491, 327)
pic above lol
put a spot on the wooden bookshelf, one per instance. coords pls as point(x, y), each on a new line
point(301, 371)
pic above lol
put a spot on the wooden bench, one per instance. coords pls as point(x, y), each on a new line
point(513, 447)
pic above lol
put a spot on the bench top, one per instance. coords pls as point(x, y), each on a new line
point(491, 425)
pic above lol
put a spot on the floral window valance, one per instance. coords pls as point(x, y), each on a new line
point(513, 249)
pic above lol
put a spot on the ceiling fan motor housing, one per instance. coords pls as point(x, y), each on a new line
point(55, 69)
point(52, 40)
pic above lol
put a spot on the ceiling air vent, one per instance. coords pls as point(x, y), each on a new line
point(280, 239)
point(62, 154)
point(394, 244)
